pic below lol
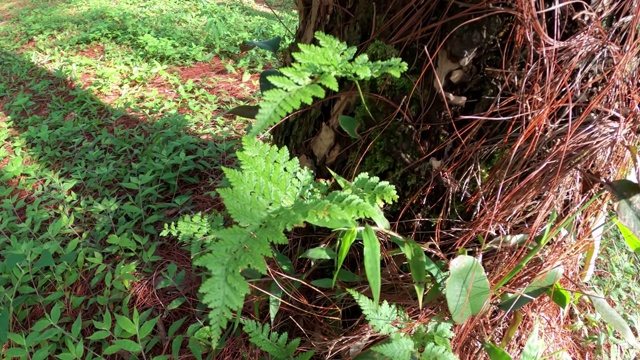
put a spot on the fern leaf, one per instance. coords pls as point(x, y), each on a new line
point(383, 318)
point(373, 190)
point(270, 342)
point(398, 347)
point(225, 289)
point(278, 103)
point(434, 352)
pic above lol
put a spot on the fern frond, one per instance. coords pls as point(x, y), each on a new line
point(225, 288)
point(373, 190)
point(383, 318)
point(192, 227)
point(441, 329)
point(278, 103)
point(269, 342)
point(398, 347)
point(433, 351)
point(316, 65)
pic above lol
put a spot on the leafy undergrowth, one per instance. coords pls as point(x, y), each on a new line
point(105, 135)
point(617, 279)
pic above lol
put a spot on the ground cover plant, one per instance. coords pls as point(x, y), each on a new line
point(107, 135)
point(135, 224)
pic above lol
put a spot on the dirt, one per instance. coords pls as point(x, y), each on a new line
point(214, 77)
point(93, 52)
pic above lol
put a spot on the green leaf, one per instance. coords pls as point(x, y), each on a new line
point(245, 111)
point(265, 84)
point(126, 324)
point(4, 325)
point(128, 345)
point(346, 241)
point(611, 317)
point(40, 354)
point(496, 353)
point(347, 276)
point(349, 125)
point(147, 327)
point(55, 313)
point(274, 300)
point(14, 353)
point(272, 44)
point(627, 194)
point(417, 263)
point(538, 287)
point(99, 335)
point(559, 295)
point(467, 288)
point(534, 346)
point(323, 283)
point(175, 303)
point(629, 237)
point(319, 253)
point(45, 260)
point(372, 261)
point(76, 327)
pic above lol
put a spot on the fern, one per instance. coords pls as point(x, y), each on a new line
point(398, 347)
point(269, 194)
point(384, 318)
point(429, 342)
point(317, 66)
point(273, 343)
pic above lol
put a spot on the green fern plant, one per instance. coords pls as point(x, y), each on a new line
point(269, 194)
point(316, 66)
point(431, 341)
point(273, 343)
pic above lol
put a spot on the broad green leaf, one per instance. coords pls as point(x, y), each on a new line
point(126, 324)
point(372, 261)
point(323, 283)
point(55, 313)
point(349, 125)
point(272, 44)
point(467, 288)
point(346, 241)
point(45, 260)
point(627, 194)
point(99, 335)
point(559, 295)
point(128, 345)
point(629, 237)
point(265, 84)
point(496, 353)
point(538, 287)
point(319, 253)
point(285, 263)
point(534, 346)
point(147, 327)
point(274, 300)
point(347, 276)
point(76, 327)
point(611, 317)
point(40, 354)
point(14, 353)
point(245, 111)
